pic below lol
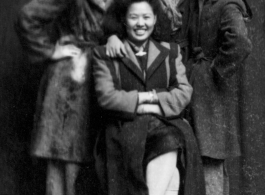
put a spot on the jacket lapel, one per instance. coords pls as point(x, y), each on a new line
point(156, 55)
point(131, 62)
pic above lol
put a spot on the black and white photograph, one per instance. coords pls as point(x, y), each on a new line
point(132, 97)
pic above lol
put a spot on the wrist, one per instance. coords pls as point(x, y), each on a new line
point(152, 97)
point(147, 97)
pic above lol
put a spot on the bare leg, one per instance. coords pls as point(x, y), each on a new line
point(159, 173)
point(55, 178)
point(173, 187)
point(71, 171)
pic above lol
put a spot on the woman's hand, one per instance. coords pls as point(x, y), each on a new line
point(115, 48)
point(149, 109)
point(63, 51)
point(79, 67)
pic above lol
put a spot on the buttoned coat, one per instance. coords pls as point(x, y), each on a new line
point(117, 83)
point(222, 46)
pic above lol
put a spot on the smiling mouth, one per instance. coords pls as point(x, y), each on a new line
point(140, 31)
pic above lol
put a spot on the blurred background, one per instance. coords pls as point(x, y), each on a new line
point(22, 175)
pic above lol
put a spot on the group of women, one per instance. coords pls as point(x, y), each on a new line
point(146, 88)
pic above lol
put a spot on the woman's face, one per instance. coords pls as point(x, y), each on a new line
point(140, 22)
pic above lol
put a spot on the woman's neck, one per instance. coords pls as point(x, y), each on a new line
point(138, 45)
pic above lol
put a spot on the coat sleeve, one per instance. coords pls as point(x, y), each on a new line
point(121, 103)
point(174, 99)
point(235, 45)
point(35, 25)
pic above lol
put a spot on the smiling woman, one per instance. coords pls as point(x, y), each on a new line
point(140, 22)
point(143, 96)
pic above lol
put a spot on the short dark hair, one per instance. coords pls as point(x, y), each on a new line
point(113, 22)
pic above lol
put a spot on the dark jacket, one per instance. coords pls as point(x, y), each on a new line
point(117, 83)
point(63, 127)
point(222, 45)
point(173, 88)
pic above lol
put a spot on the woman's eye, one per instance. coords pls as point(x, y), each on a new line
point(133, 17)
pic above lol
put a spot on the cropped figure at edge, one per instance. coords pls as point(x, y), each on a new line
point(220, 44)
point(142, 96)
point(58, 36)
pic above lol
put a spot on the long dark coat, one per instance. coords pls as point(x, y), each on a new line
point(222, 47)
point(117, 83)
point(63, 127)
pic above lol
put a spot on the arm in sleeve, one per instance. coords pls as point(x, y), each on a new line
point(179, 94)
point(111, 24)
point(235, 44)
point(110, 98)
point(35, 25)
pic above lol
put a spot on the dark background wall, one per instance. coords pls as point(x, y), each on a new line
point(21, 175)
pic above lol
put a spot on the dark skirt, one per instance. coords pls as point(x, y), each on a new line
point(161, 138)
point(129, 147)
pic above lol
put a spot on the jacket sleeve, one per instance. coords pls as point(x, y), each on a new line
point(235, 45)
point(35, 25)
point(178, 95)
point(121, 103)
